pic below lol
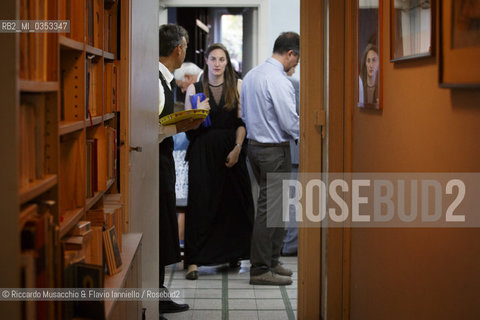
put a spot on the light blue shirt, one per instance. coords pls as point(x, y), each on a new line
point(268, 104)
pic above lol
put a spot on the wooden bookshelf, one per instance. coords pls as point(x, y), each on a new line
point(92, 50)
point(69, 43)
point(67, 127)
point(90, 202)
point(130, 250)
point(70, 219)
point(108, 55)
point(108, 116)
point(67, 100)
point(38, 86)
point(37, 187)
point(94, 121)
point(98, 195)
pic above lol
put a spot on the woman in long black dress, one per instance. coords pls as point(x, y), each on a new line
point(219, 218)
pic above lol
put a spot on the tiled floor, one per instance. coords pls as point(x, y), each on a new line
point(225, 294)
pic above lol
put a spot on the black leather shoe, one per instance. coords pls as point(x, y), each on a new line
point(162, 318)
point(192, 275)
point(234, 264)
point(169, 306)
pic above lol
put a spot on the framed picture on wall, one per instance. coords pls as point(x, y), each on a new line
point(412, 26)
point(369, 54)
point(460, 44)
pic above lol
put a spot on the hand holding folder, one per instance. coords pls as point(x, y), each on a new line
point(195, 99)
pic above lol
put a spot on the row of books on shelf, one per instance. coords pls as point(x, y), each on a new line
point(37, 256)
point(94, 31)
point(99, 234)
point(34, 47)
point(94, 157)
point(32, 138)
point(110, 21)
point(98, 238)
point(94, 93)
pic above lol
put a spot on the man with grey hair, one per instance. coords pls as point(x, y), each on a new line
point(173, 40)
point(187, 74)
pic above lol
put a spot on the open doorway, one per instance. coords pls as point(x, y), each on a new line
point(232, 26)
point(260, 25)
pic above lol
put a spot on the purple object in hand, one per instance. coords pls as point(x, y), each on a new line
point(193, 99)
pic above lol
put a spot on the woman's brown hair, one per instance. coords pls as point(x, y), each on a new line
point(229, 78)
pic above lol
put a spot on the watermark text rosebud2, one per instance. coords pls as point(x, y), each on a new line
point(374, 200)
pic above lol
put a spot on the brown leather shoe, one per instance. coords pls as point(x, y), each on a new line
point(281, 270)
point(192, 275)
point(270, 278)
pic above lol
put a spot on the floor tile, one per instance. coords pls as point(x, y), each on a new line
point(270, 304)
point(208, 304)
point(209, 284)
point(292, 293)
point(208, 293)
point(293, 303)
point(239, 284)
point(242, 304)
point(206, 315)
point(241, 293)
point(245, 301)
point(187, 315)
point(272, 315)
point(243, 315)
point(184, 293)
point(268, 293)
point(183, 284)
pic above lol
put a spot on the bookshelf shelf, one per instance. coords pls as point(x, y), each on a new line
point(130, 244)
point(110, 183)
point(67, 127)
point(108, 55)
point(37, 187)
point(38, 86)
point(108, 116)
point(92, 50)
point(95, 121)
point(70, 218)
point(90, 202)
point(68, 43)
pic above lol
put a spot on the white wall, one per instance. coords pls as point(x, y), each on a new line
point(275, 16)
point(144, 179)
point(284, 16)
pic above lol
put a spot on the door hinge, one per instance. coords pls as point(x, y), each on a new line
point(321, 121)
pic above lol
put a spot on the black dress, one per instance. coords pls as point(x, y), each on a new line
point(219, 218)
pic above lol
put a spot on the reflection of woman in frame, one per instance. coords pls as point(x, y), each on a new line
point(368, 80)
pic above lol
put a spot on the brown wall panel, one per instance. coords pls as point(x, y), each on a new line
point(416, 273)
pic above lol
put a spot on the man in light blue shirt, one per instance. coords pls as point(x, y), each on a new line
point(269, 112)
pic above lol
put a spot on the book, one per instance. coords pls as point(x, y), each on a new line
point(97, 246)
point(81, 228)
point(27, 280)
point(83, 275)
point(112, 251)
point(183, 115)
